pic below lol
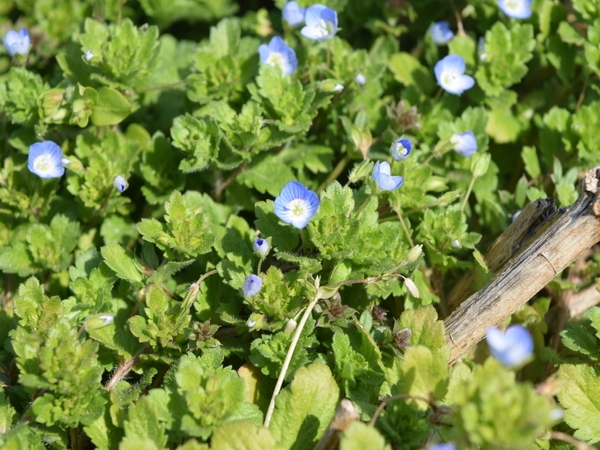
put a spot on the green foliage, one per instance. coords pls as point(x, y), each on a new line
point(123, 316)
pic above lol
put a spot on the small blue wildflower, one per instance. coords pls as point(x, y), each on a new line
point(293, 14)
point(321, 23)
point(512, 347)
point(120, 183)
point(252, 285)
point(278, 54)
point(385, 181)
point(17, 42)
point(441, 33)
point(88, 55)
point(45, 160)
point(296, 204)
point(517, 9)
point(360, 79)
point(443, 447)
point(261, 247)
point(450, 75)
point(464, 143)
point(401, 149)
point(107, 318)
point(338, 87)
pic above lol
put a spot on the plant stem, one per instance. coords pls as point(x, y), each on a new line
point(367, 200)
point(162, 86)
point(410, 241)
point(464, 202)
point(288, 357)
point(337, 170)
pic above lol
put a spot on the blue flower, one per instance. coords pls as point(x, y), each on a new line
point(360, 79)
point(17, 42)
point(278, 54)
point(261, 246)
point(296, 204)
point(450, 74)
point(441, 33)
point(385, 181)
point(517, 9)
point(512, 347)
point(45, 160)
point(464, 143)
point(321, 23)
point(252, 285)
point(120, 183)
point(88, 55)
point(443, 447)
point(293, 14)
point(401, 149)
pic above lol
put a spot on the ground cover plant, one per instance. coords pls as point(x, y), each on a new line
point(218, 219)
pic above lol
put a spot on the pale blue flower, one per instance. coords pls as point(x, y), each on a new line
point(338, 87)
point(443, 447)
point(296, 204)
point(464, 143)
point(293, 14)
point(517, 9)
point(261, 247)
point(321, 23)
point(512, 347)
point(45, 160)
point(360, 79)
point(278, 54)
point(401, 149)
point(17, 42)
point(252, 285)
point(441, 33)
point(88, 55)
point(383, 179)
point(107, 318)
point(120, 183)
point(450, 74)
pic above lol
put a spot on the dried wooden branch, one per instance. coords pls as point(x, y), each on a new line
point(559, 241)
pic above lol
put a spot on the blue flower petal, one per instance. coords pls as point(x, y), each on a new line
point(401, 149)
point(441, 33)
point(464, 143)
point(383, 179)
point(296, 204)
point(120, 183)
point(517, 9)
point(512, 347)
point(293, 14)
point(277, 53)
point(321, 23)
point(45, 160)
point(252, 285)
point(17, 42)
point(450, 75)
point(261, 246)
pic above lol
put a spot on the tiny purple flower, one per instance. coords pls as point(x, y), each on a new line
point(321, 23)
point(512, 347)
point(464, 143)
point(17, 42)
point(450, 75)
point(261, 247)
point(441, 33)
point(517, 9)
point(252, 285)
point(296, 204)
point(278, 54)
point(120, 183)
point(401, 149)
point(293, 14)
point(385, 181)
point(45, 160)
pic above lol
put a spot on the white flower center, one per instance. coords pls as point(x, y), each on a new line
point(297, 207)
point(513, 5)
point(275, 59)
point(43, 164)
point(449, 77)
point(322, 28)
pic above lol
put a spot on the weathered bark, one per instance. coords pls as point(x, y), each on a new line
point(559, 240)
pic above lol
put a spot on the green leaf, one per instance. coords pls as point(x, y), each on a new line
point(580, 397)
point(142, 427)
point(508, 51)
point(578, 338)
point(16, 259)
point(359, 436)
point(284, 237)
point(304, 409)
point(532, 165)
point(111, 107)
point(425, 327)
point(242, 435)
point(408, 70)
point(119, 260)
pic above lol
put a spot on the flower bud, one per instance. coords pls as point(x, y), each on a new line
point(261, 247)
